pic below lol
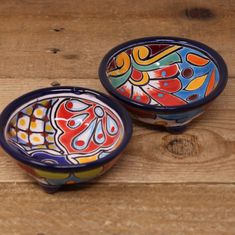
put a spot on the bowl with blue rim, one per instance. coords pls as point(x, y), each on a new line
point(165, 81)
point(64, 135)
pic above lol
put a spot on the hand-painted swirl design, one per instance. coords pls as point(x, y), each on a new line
point(163, 74)
point(66, 129)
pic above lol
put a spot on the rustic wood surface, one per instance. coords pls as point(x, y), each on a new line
point(164, 184)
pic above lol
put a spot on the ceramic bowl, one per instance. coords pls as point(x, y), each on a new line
point(164, 80)
point(64, 135)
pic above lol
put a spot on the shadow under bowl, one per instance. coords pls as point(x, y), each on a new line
point(164, 81)
point(66, 135)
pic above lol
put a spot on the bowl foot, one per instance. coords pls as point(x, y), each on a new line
point(50, 188)
point(176, 129)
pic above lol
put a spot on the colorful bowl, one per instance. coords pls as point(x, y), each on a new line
point(64, 135)
point(164, 80)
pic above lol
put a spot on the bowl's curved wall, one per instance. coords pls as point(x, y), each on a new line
point(47, 178)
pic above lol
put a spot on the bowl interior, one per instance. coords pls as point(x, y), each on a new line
point(65, 129)
point(162, 74)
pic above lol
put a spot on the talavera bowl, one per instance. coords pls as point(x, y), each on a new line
point(64, 135)
point(164, 80)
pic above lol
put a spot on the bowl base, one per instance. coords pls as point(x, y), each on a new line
point(176, 129)
point(50, 188)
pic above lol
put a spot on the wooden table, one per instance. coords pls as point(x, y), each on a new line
point(165, 184)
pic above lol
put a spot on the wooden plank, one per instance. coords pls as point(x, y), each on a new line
point(61, 39)
point(204, 153)
point(166, 158)
point(118, 209)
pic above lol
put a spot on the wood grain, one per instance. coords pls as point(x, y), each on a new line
point(46, 42)
point(91, 29)
point(119, 209)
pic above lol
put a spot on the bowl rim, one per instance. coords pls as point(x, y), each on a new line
point(211, 53)
point(20, 156)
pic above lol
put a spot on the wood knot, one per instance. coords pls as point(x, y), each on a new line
point(199, 13)
point(58, 29)
point(55, 83)
point(181, 146)
point(53, 50)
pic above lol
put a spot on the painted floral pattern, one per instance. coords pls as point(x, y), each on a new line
point(163, 74)
point(66, 130)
